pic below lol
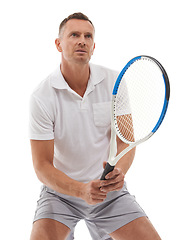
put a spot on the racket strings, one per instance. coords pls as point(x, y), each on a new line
point(125, 126)
point(139, 100)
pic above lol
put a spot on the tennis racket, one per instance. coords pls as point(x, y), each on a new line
point(139, 103)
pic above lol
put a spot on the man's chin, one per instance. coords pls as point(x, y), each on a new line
point(82, 60)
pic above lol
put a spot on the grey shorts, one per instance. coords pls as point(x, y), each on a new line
point(118, 209)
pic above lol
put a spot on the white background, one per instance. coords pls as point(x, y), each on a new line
point(124, 29)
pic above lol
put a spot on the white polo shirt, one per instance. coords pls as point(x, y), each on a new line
point(79, 126)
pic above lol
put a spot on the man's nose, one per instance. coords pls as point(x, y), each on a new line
point(82, 41)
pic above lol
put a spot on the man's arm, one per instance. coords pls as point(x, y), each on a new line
point(126, 161)
point(42, 154)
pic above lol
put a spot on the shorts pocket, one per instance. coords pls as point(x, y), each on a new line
point(102, 114)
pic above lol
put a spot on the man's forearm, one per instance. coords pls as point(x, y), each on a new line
point(126, 161)
point(58, 181)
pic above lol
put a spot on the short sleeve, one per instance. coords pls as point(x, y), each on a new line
point(41, 125)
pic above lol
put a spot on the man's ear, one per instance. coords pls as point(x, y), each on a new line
point(58, 44)
point(93, 48)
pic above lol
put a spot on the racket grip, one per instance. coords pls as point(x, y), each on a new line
point(108, 168)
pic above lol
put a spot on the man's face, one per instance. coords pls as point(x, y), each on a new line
point(77, 41)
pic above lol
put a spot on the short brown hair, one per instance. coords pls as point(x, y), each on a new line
point(77, 15)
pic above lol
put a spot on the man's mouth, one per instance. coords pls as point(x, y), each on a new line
point(81, 51)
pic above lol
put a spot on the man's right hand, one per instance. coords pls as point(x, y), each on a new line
point(92, 192)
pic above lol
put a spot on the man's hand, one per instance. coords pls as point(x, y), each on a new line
point(92, 193)
point(96, 191)
point(114, 180)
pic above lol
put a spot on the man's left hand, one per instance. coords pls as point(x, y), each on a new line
point(114, 180)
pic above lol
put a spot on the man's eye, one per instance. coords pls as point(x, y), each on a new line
point(74, 35)
point(89, 36)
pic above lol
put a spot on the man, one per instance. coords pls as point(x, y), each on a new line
point(70, 135)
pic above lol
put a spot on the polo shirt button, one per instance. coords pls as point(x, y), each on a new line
point(83, 105)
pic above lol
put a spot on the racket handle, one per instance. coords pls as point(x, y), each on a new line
point(108, 168)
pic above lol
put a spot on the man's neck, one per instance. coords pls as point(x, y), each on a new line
point(77, 76)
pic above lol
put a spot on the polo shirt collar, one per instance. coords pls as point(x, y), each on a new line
point(96, 76)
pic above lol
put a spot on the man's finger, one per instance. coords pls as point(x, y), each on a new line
point(114, 173)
